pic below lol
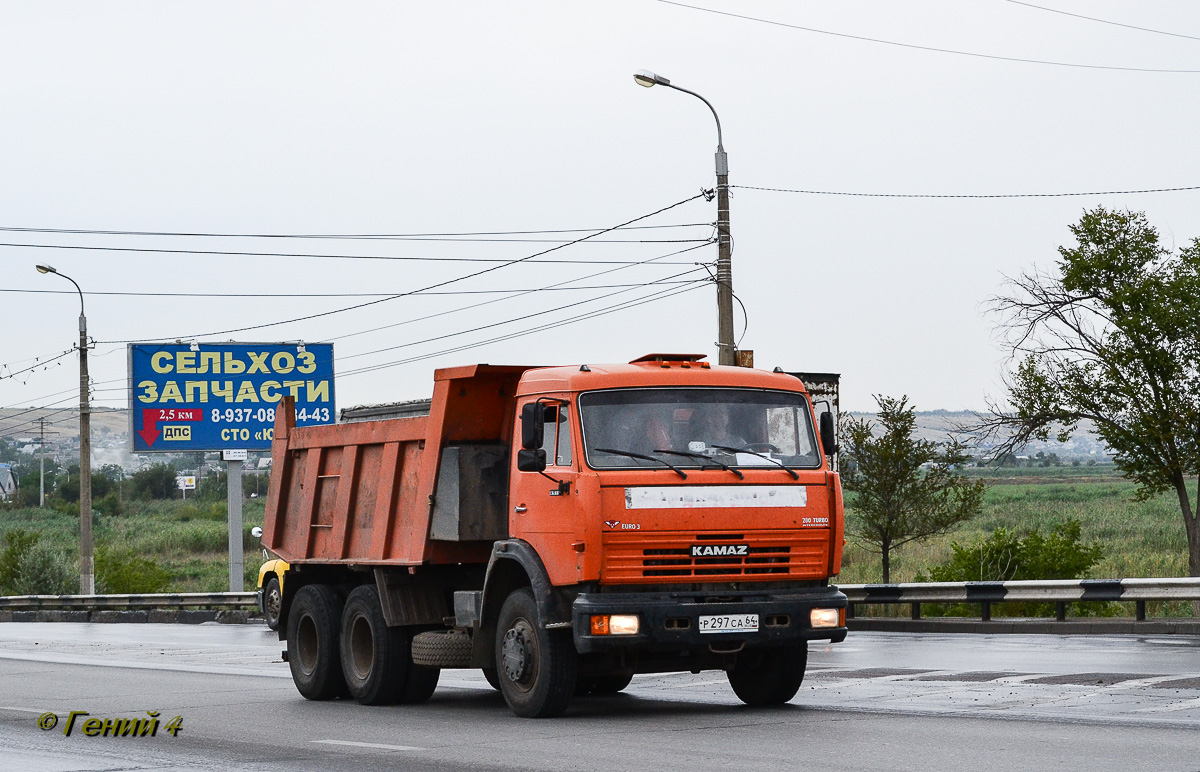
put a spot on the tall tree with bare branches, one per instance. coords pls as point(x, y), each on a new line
point(1112, 336)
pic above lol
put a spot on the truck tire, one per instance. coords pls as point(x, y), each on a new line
point(374, 657)
point(272, 602)
point(492, 677)
point(312, 642)
point(770, 676)
point(419, 684)
point(537, 668)
point(442, 648)
point(608, 684)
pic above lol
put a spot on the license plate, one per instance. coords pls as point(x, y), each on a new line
point(729, 623)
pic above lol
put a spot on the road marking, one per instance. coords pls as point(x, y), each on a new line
point(21, 710)
point(379, 746)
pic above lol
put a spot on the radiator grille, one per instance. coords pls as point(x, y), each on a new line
point(667, 556)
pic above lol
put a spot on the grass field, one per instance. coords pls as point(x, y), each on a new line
point(1140, 539)
point(1144, 539)
point(188, 539)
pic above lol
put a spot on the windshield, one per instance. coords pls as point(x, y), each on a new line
point(693, 428)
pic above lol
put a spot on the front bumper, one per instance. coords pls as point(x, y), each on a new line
point(670, 620)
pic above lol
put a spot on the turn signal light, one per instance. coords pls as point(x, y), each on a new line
point(615, 624)
point(822, 617)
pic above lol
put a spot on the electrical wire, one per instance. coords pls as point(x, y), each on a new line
point(510, 321)
point(64, 391)
point(40, 363)
point(259, 295)
point(925, 48)
point(662, 295)
point(241, 253)
point(1103, 21)
point(965, 195)
point(436, 285)
point(513, 297)
point(334, 236)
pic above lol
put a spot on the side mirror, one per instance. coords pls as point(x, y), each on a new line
point(531, 460)
point(533, 426)
point(828, 439)
point(256, 532)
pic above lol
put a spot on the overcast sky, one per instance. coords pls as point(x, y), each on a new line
point(472, 117)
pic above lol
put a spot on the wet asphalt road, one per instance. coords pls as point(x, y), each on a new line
point(878, 701)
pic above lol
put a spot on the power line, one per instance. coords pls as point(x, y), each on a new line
point(1103, 21)
point(422, 289)
point(522, 294)
point(74, 389)
point(38, 362)
point(964, 195)
point(510, 321)
point(243, 253)
point(923, 48)
point(336, 236)
point(259, 295)
point(662, 295)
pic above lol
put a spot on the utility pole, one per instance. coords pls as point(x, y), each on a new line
point(87, 573)
point(726, 352)
point(42, 462)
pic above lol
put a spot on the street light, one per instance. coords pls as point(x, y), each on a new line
point(87, 574)
point(725, 344)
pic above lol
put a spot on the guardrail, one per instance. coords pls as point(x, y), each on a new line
point(1057, 591)
point(187, 607)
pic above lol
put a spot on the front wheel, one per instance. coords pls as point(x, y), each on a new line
point(768, 676)
point(536, 667)
point(272, 602)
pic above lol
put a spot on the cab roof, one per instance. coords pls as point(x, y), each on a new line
point(653, 370)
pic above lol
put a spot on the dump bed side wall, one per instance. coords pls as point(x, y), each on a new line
point(362, 493)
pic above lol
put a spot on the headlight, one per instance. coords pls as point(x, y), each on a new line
point(824, 617)
point(615, 624)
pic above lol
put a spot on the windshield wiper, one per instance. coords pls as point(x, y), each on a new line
point(631, 454)
point(689, 454)
point(779, 464)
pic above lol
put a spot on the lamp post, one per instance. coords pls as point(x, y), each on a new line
point(87, 574)
point(725, 344)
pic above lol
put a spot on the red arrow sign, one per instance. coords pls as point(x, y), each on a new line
point(152, 415)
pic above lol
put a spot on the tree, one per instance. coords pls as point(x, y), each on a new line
point(154, 482)
point(1112, 337)
point(906, 487)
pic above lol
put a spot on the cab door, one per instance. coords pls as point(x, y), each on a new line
point(545, 504)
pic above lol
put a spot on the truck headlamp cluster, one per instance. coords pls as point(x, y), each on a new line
point(615, 624)
point(825, 617)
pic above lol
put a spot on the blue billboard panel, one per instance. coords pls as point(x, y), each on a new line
point(188, 397)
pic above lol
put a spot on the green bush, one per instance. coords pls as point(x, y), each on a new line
point(1008, 556)
point(28, 567)
point(123, 573)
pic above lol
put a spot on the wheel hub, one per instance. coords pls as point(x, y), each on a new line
point(517, 651)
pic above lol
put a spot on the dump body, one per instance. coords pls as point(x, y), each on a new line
point(362, 493)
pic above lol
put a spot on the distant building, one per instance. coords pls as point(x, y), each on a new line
point(8, 482)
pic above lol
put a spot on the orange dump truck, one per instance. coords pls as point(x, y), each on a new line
point(562, 529)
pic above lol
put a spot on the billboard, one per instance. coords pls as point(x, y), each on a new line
point(190, 397)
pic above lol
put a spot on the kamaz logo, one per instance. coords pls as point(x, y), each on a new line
point(719, 550)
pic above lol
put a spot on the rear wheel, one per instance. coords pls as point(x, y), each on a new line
point(768, 676)
point(537, 668)
point(374, 657)
point(312, 642)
